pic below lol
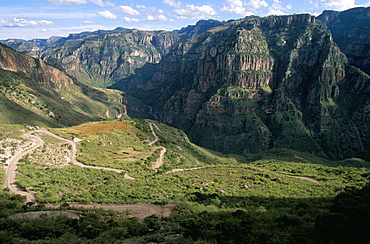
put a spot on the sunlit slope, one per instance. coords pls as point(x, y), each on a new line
point(188, 172)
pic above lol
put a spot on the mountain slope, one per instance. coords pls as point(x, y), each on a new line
point(33, 92)
point(260, 83)
point(103, 57)
point(351, 31)
point(276, 195)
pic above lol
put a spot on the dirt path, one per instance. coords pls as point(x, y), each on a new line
point(189, 169)
point(305, 178)
point(10, 180)
point(160, 161)
point(36, 214)
point(139, 210)
point(157, 164)
point(154, 134)
point(74, 152)
point(292, 176)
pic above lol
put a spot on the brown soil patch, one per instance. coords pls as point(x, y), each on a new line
point(129, 151)
point(36, 214)
point(157, 164)
point(139, 210)
point(99, 127)
point(130, 159)
point(305, 178)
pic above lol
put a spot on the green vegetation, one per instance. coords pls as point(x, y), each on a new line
point(275, 196)
point(23, 101)
point(219, 198)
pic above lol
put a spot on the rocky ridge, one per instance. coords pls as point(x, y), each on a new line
point(103, 57)
point(259, 83)
point(351, 31)
point(240, 86)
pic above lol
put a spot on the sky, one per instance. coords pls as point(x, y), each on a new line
point(29, 19)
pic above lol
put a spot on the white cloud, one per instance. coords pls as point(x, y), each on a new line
point(87, 22)
point(196, 12)
point(277, 9)
point(256, 4)
point(191, 11)
point(337, 4)
point(127, 19)
point(102, 4)
point(234, 7)
point(150, 17)
point(172, 3)
point(152, 10)
point(128, 10)
point(67, 2)
point(47, 14)
point(107, 14)
point(159, 17)
point(241, 8)
point(21, 22)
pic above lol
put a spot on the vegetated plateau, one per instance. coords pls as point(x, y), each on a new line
point(97, 172)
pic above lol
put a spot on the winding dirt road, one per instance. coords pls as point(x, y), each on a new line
point(154, 134)
point(138, 210)
point(10, 181)
point(160, 161)
point(292, 176)
point(74, 152)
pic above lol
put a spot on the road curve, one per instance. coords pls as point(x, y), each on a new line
point(74, 152)
point(154, 134)
point(160, 161)
point(10, 180)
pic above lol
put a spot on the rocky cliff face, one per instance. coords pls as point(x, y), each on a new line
point(259, 83)
point(351, 31)
point(34, 68)
point(103, 57)
point(197, 29)
point(100, 59)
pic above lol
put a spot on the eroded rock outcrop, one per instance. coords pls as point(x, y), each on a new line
point(351, 31)
point(259, 83)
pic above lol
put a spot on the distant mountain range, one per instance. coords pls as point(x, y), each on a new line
point(241, 86)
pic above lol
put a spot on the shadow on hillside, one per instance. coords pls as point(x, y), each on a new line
point(287, 155)
point(14, 113)
point(281, 220)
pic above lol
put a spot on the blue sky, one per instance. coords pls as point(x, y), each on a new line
point(28, 19)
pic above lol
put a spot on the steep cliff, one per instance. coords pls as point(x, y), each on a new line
point(33, 92)
point(351, 31)
point(201, 26)
point(101, 58)
point(259, 83)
